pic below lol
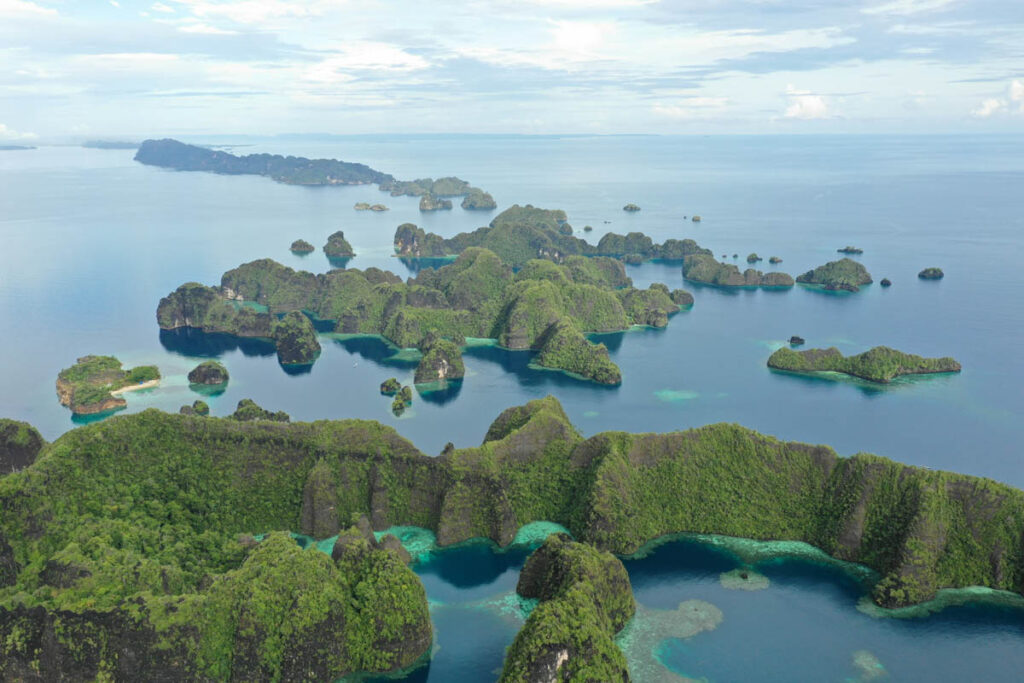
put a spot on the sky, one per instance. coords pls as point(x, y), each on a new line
point(129, 70)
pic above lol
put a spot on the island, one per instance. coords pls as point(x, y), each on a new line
point(796, 340)
point(209, 372)
point(20, 443)
point(301, 246)
point(842, 275)
point(521, 233)
point(15, 148)
point(886, 282)
point(449, 186)
point(337, 247)
point(753, 258)
point(631, 208)
point(430, 202)
point(880, 364)
point(850, 250)
point(94, 384)
point(175, 611)
point(478, 200)
point(588, 228)
point(696, 219)
point(295, 339)
point(390, 386)
point(585, 598)
point(931, 274)
point(774, 259)
point(702, 267)
point(403, 399)
point(366, 206)
point(476, 295)
point(441, 361)
point(198, 407)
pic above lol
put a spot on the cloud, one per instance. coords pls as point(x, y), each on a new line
point(1012, 103)
point(9, 134)
point(161, 7)
point(199, 27)
point(805, 105)
point(691, 108)
point(24, 8)
point(906, 7)
point(255, 11)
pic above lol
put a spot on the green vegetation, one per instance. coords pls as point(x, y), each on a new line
point(442, 187)
point(478, 200)
point(774, 260)
point(296, 340)
point(474, 296)
point(86, 386)
point(403, 399)
point(247, 410)
point(850, 250)
point(198, 407)
point(366, 206)
point(564, 347)
point(20, 442)
point(337, 247)
point(293, 170)
point(390, 386)
point(301, 246)
point(844, 274)
point(521, 233)
point(631, 208)
point(753, 258)
point(880, 364)
point(702, 267)
point(931, 274)
point(208, 372)
point(430, 202)
point(442, 360)
point(585, 599)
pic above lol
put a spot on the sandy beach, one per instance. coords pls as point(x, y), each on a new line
point(136, 387)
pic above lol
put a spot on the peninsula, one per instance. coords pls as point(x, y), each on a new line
point(94, 384)
point(546, 307)
point(880, 364)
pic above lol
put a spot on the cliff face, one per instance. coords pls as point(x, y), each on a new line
point(920, 529)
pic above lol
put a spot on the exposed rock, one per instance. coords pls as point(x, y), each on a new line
point(20, 443)
point(931, 274)
point(631, 208)
point(208, 372)
point(302, 247)
point(796, 341)
point(696, 219)
point(886, 282)
point(337, 247)
point(442, 360)
point(320, 503)
point(774, 259)
point(430, 202)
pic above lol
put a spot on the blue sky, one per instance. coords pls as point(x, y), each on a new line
point(120, 68)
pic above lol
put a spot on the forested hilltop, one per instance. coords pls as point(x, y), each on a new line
point(125, 547)
point(544, 306)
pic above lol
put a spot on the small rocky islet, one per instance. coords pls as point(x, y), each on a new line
point(208, 372)
point(842, 275)
point(931, 274)
point(301, 246)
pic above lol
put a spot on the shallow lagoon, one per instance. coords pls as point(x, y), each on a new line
point(93, 240)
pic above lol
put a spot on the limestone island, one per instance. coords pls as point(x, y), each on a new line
point(197, 604)
point(430, 202)
point(209, 372)
point(198, 407)
point(796, 341)
point(478, 200)
point(390, 386)
point(701, 266)
point(886, 282)
point(774, 259)
point(337, 247)
point(695, 219)
point(441, 361)
point(631, 208)
point(844, 274)
point(94, 384)
point(403, 399)
point(880, 364)
point(521, 233)
point(850, 250)
point(295, 339)
point(365, 206)
point(475, 296)
point(588, 228)
point(931, 274)
point(449, 186)
point(302, 247)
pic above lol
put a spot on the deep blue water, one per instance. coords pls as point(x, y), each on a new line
point(93, 240)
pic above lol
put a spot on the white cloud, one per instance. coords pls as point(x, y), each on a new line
point(9, 134)
point(906, 7)
point(24, 8)
point(691, 108)
point(199, 27)
point(255, 11)
point(805, 105)
point(1013, 102)
point(114, 3)
point(161, 7)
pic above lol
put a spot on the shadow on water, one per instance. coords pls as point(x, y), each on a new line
point(189, 341)
point(375, 349)
point(836, 380)
point(518, 363)
point(416, 265)
point(439, 393)
point(475, 563)
point(338, 262)
point(296, 370)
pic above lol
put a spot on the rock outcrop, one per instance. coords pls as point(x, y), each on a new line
point(208, 372)
point(20, 443)
point(844, 274)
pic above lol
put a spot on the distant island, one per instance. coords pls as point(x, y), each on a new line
point(522, 233)
point(701, 266)
point(301, 246)
point(880, 364)
point(110, 144)
point(208, 372)
point(545, 307)
point(94, 384)
point(931, 274)
point(173, 154)
point(844, 274)
point(15, 148)
point(850, 250)
point(366, 206)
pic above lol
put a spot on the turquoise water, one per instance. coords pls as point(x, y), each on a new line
point(93, 240)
